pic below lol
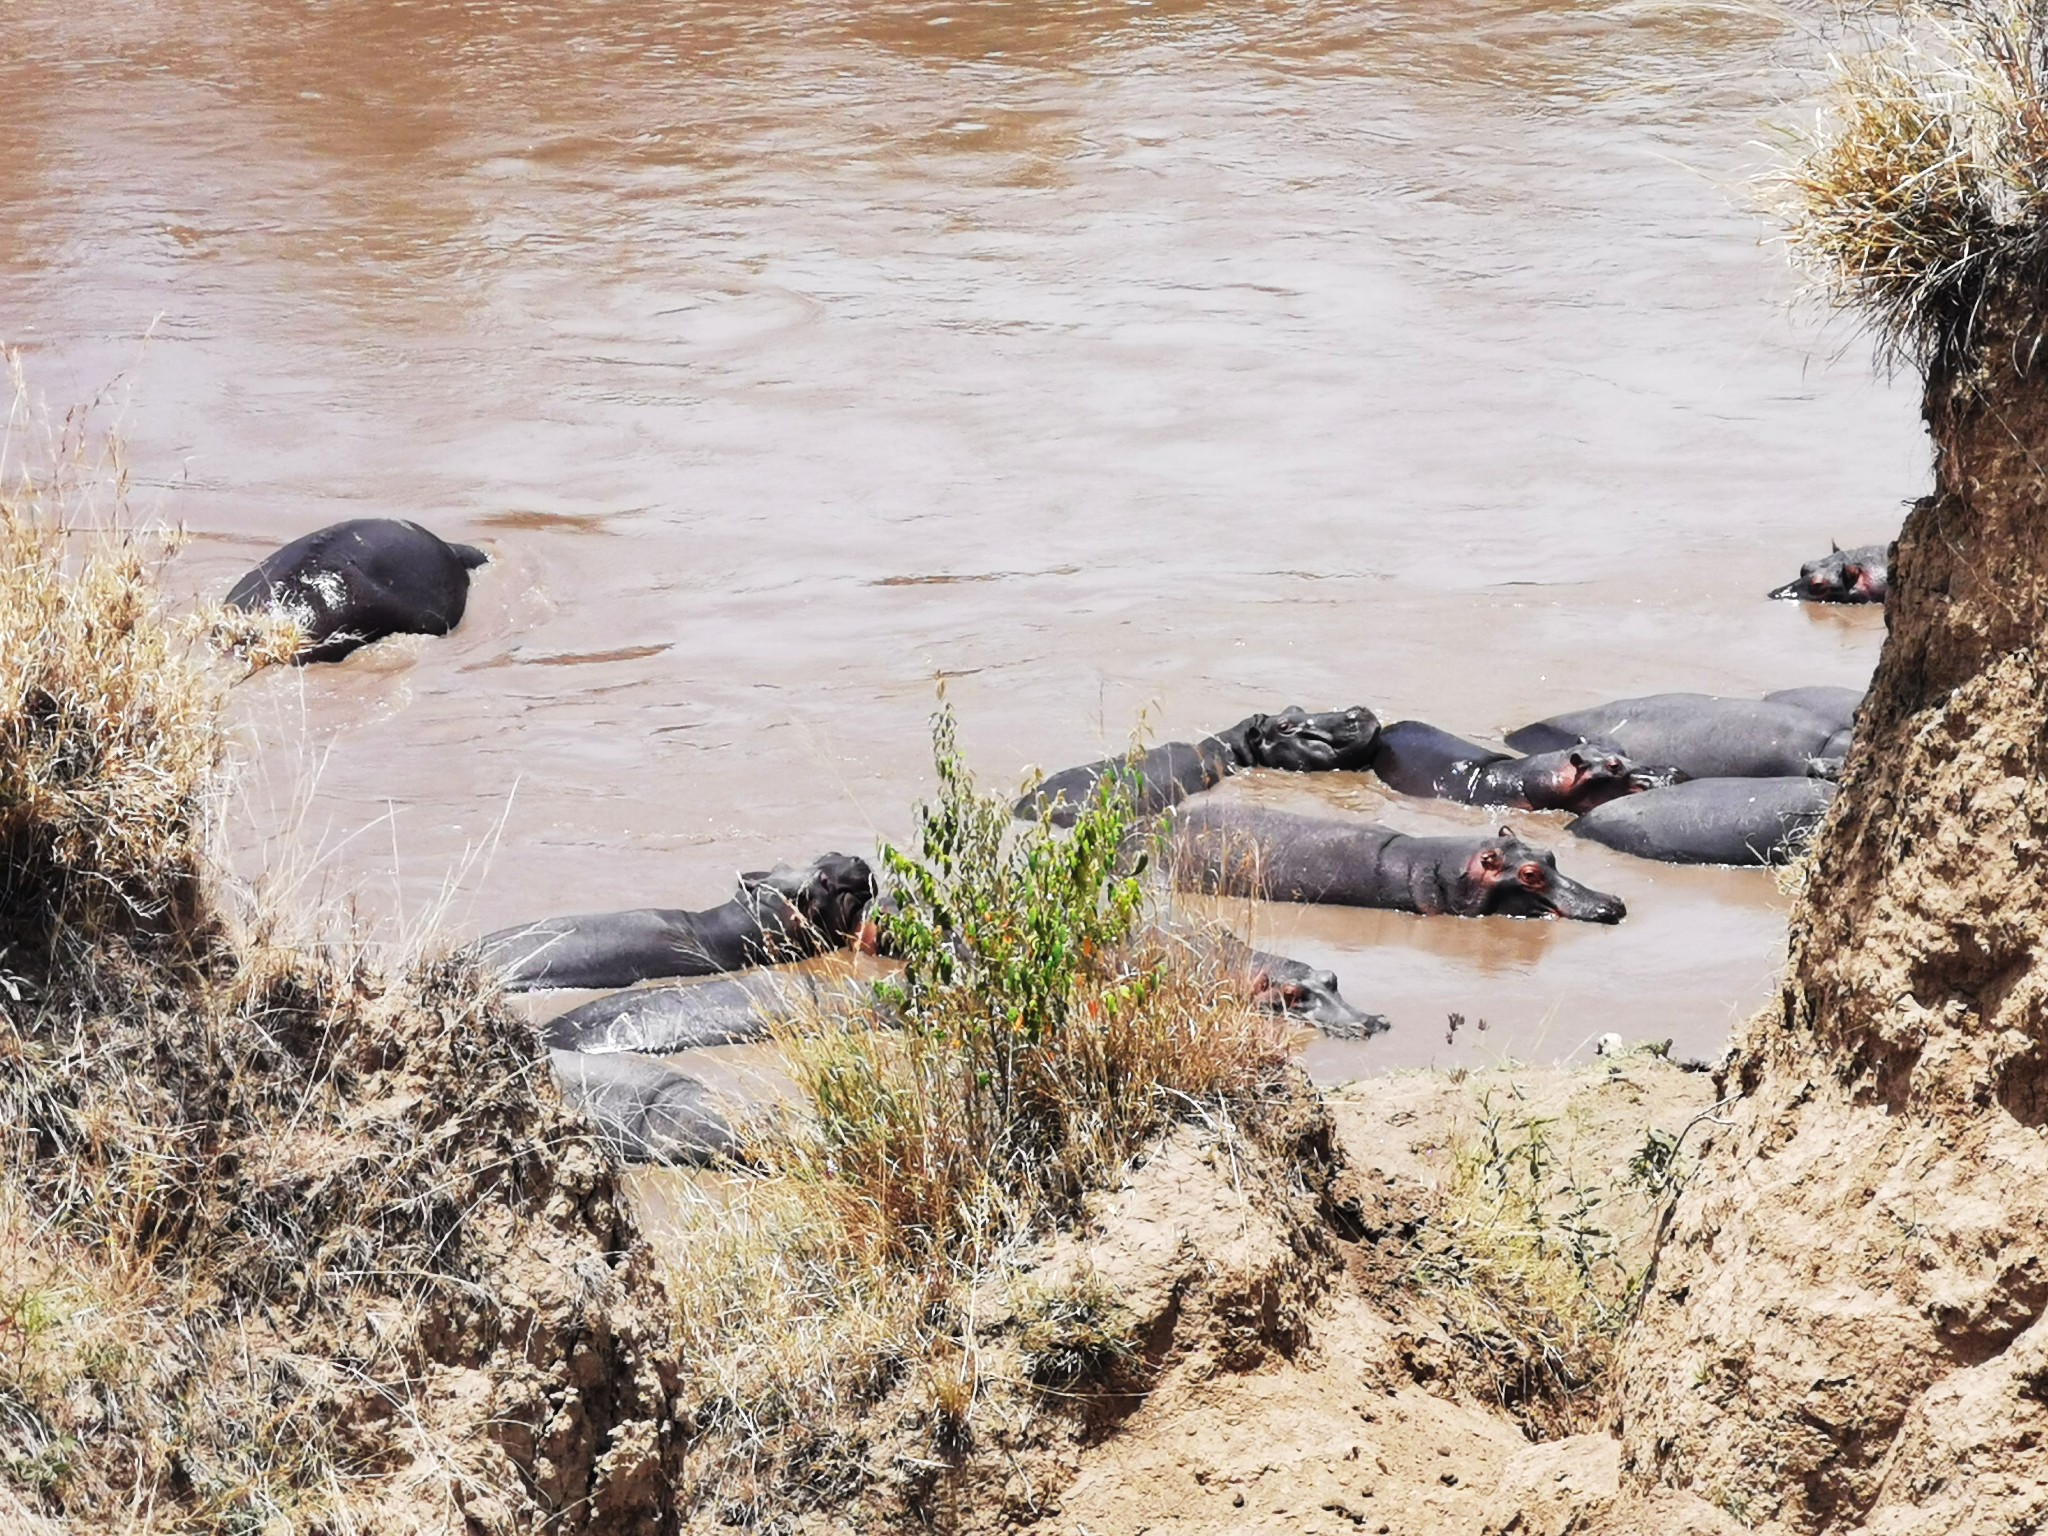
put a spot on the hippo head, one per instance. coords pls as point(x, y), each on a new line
point(1508, 877)
point(1312, 996)
point(1840, 576)
point(1300, 742)
point(831, 894)
point(1576, 779)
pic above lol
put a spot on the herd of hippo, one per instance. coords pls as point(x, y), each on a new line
point(1680, 777)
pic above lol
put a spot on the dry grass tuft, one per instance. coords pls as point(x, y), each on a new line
point(1043, 1034)
point(1923, 188)
point(110, 735)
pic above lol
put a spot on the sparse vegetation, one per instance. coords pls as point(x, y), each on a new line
point(1041, 1036)
point(1923, 188)
point(1522, 1264)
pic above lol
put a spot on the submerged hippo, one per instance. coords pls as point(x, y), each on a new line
point(1293, 740)
point(783, 914)
point(1841, 576)
point(1713, 821)
point(1244, 850)
point(644, 1111)
point(362, 580)
point(1283, 985)
point(1699, 735)
point(1419, 759)
point(659, 1021)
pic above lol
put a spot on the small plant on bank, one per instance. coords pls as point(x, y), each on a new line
point(1521, 1265)
point(1041, 1034)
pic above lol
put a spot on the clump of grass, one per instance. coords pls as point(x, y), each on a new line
point(1523, 1266)
point(110, 736)
point(1043, 1033)
point(1922, 191)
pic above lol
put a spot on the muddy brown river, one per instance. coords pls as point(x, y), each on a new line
point(1106, 361)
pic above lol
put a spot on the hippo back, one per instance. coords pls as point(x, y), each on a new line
point(1837, 706)
point(1703, 736)
point(644, 1110)
point(1712, 821)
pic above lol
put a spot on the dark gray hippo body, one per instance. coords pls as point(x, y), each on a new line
point(1699, 735)
point(1294, 740)
point(359, 581)
point(1842, 576)
point(644, 1111)
point(1713, 821)
point(1419, 759)
point(1245, 850)
point(660, 1021)
point(1281, 984)
point(1831, 705)
point(784, 914)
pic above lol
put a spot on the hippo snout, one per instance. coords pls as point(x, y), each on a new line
point(1586, 905)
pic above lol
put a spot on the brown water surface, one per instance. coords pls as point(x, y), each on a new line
point(1185, 358)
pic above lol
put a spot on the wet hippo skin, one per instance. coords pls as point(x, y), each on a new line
point(1713, 821)
point(1294, 740)
point(1859, 575)
point(1243, 850)
point(644, 1111)
point(660, 1021)
point(1697, 734)
point(783, 914)
point(1419, 759)
point(356, 582)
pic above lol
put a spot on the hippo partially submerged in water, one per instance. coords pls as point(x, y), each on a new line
point(1419, 759)
point(739, 1010)
point(1713, 821)
point(1245, 850)
point(1842, 576)
point(782, 914)
point(1697, 734)
point(1294, 740)
point(359, 581)
point(644, 1111)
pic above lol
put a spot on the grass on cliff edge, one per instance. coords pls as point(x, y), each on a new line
point(1923, 186)
point(256, 1195)
point(1042, 1034)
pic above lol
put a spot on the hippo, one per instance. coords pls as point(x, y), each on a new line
point(659, 1021)
point(361, 580)
point(1697, 734)
point(1243, 850)
point(1837, 706)
point(1419, 759)
point(1841, 576)
point(1713, 821)
point(782, 914)
point(1283, 985)
point(644, 1111)
point(1293, 740)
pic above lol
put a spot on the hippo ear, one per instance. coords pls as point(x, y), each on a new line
point(782, 880)
point(1834, 548)
point(1507, 832)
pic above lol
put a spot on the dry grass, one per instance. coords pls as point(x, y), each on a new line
point(1043, 1035)
point(1923, 187)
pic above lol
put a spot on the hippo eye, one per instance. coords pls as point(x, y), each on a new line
point(1852, 573)
point(1491, 859)
point(1295, 993)
point(1616, 766)
point(1532, 875)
